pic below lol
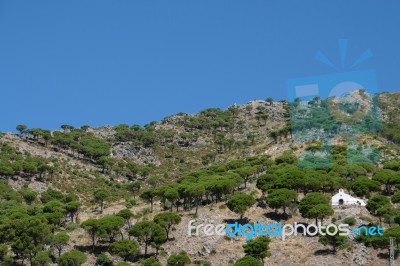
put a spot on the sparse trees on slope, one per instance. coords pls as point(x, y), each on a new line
point(147, 232)
point(281, 198)
point(240, 202)
point(383, 242)
point(59, 241)
point(152, 261)
point(320, 211)
point(21, 129)
point(180, 259)
point(195, 191)
point(93, 228)
point(396, 197)
point(376, 202)
point(379, 205)
point(172, 195)
point(248, 261)
point(103, 260)
point(258, 247)
point(246, 173)
point(125, 249)
point(363, 186)
point(311, 200)
point(111, 225)
point(29, 235)
point(167, 220)
point(266, 181)
point(41, 259)
point(29, 196)
point(71, 258)
point(286, 157)
point(335, 240)
point(66, 127)
point(72, 208)
point(100, 196)
point(388, 178)
point(127, 215)
point(149, 195)
point(134, 187)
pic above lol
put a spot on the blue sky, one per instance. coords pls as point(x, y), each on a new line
point(111, 62)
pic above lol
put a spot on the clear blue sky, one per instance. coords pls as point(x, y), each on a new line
point(110, 62)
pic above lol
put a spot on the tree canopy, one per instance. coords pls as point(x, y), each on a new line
point(240, 202)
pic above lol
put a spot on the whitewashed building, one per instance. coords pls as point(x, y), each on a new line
point(342, 198)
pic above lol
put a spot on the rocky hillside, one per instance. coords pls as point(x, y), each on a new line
point(95, 188)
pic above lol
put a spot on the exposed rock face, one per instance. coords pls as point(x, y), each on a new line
point(360, 256)
point(355, 211)
point(104, 132)
point(276, 110)
point(36, 186)
point(132, 151)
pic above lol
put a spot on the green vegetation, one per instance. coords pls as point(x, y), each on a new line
point(71, 258)
point(248, 261)
point(167, 220)
point(27, 228)
point(240, 202)
point(152, 261)
point(100, 196)
point(334, 240)
point(103, 260)
point(350, 221)
point(182, 167)
point(79, 141)
point(180, 259)
point(13, 162)
point(315, 205)
point(59, 241)
point(125, 248)
point(281, 198)
point(258, 247)
point(148, 232)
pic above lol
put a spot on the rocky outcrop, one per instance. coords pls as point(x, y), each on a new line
point(138, 153)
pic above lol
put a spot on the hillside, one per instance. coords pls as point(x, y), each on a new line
point(104, 192)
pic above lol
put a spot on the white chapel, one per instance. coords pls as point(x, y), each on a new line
point(342, 198)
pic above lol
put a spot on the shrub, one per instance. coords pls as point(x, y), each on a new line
point(130, 203)
point(202, 263)
point(103, 260)
point(71, 226)
point(396, 197)
point(350, 220)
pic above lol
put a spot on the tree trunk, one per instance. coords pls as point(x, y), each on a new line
point(93, 241)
